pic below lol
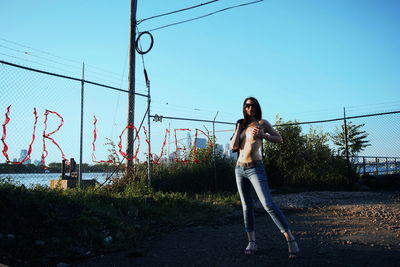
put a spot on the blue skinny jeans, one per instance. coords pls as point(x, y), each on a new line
point(245, 178)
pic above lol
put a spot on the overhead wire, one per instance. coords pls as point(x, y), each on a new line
point(192, 108)
point(171, 113)
point(110, 74)
point(168, 112)
point(52, 67)
point(382, 110)
point(119, 93)
point(79, 63)
point(203, 16)
point(95, 73)
point(374, 104)
point(41, 51)
point(41, 64)
point(354, 109)
point(30, 54)
point(172, 108)
point(176, 11)
point(67, 77)
point(182, 111)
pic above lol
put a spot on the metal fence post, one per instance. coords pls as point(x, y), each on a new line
point(81, 133)
point(148, 124)
point(376, 166)
point(364, 165)
point(347, 144)
point(214, 144)
point(387, 166)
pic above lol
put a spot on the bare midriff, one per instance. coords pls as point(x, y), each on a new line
point(249, 145)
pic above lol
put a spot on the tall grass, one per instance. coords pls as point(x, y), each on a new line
point(41, 227)
point(186, 177)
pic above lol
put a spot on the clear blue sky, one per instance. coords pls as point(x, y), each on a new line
point(304, 60)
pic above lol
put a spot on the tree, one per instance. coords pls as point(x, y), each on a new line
point(356, 138)
point(302, 159)
point(285, 161)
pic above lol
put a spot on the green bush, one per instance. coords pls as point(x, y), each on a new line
point(184, 177)
point(304, 160)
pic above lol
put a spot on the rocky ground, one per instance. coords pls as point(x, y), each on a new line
point(332, 229)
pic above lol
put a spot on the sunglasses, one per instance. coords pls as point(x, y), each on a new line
point(250, 105)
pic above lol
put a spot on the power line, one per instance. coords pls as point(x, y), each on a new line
point(197, 108)
point(206, 15)
point(382, 110)
point(32, 55)
point(41, 51)
point(99, 75)
point(377, 105)
point(119, 93)
point(53, 55)
point(184, 111)
point(284, 124)
point(72, 71)
point(190, 119)
point(174, 112)
point(340, 119)
point(31, 61)
point(110, 74)
point(66, 77)
point(176, 11)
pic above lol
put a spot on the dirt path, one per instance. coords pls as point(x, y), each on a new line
point(332, 229)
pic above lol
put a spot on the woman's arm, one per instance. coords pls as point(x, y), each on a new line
point(234, 145)
point(270, 133)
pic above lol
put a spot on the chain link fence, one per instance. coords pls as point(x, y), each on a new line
point(41, 115)
point(382, 155)
point(366, 146)
point(41, 122)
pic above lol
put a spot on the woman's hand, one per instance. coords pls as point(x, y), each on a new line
point(257, 132)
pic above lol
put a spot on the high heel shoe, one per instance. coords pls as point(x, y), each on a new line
point(250, 251)
point(293, 249)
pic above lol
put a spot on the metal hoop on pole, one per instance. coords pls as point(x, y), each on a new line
point(138, 49)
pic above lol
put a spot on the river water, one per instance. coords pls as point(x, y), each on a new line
point(43, 179)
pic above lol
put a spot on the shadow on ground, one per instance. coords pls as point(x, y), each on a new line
point(352, 233)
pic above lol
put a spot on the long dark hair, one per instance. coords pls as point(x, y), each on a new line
point(257, 115)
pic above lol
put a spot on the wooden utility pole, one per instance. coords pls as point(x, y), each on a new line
point(131, 87)
point(346, 140)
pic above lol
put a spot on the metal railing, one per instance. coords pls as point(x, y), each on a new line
point(376, 165)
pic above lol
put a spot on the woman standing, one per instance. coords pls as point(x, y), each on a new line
point(247, 140)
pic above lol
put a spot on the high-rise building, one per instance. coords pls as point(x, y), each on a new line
point(228, 152)
point(186, 153)
point(201, 143)
point(23, 154)
point(188, 141)
point(219, 148)
point(175, 154)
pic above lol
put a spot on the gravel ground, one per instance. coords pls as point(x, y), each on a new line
point(332, 228)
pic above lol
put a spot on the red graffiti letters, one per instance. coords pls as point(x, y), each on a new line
point(3, 139)
point(130, 126)
point(47, 135)
point(155, 159)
